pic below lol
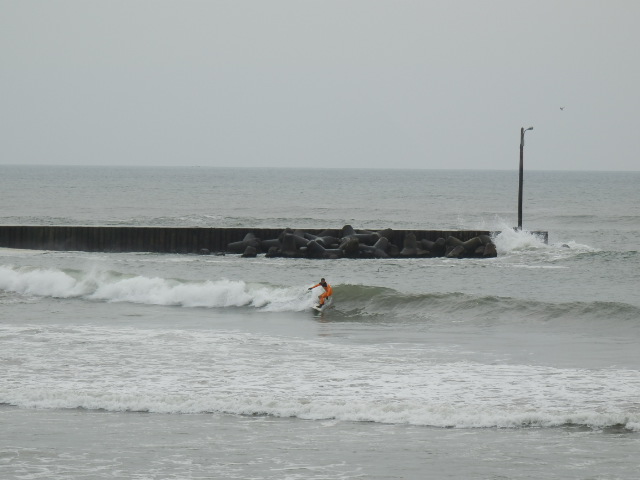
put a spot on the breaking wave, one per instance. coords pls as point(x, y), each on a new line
point(355, 301)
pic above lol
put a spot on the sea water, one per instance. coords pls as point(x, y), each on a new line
point(138, 365)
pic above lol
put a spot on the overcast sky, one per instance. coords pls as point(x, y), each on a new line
point(359, 84)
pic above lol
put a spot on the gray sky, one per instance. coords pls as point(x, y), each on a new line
point(380, 84)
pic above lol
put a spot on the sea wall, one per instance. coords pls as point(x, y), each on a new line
point(200, 240)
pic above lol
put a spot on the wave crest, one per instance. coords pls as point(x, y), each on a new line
point(353, 302)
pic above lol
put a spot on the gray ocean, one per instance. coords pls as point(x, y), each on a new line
point(170, 366)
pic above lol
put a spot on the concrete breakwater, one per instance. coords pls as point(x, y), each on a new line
point(315, 243)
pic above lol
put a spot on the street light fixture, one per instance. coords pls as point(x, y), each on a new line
point(522, 130)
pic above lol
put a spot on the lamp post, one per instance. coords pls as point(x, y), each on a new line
point(522, 130)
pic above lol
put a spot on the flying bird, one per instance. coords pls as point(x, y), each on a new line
point(561, 108)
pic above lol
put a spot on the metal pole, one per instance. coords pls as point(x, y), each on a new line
point(520, 179)
point(522, 130)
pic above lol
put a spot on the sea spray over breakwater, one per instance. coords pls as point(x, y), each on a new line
point(508, 240)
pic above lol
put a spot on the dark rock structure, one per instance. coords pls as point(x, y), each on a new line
point(351, 243)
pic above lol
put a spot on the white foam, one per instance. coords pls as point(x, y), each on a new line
point(112, 287)
point(510, 240)
point(174, 371)
point(42, 282)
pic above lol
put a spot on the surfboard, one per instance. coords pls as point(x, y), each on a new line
point(326, 305)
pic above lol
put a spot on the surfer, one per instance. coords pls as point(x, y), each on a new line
point(328, 291)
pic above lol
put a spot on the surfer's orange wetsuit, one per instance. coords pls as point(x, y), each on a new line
point(328, 291)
